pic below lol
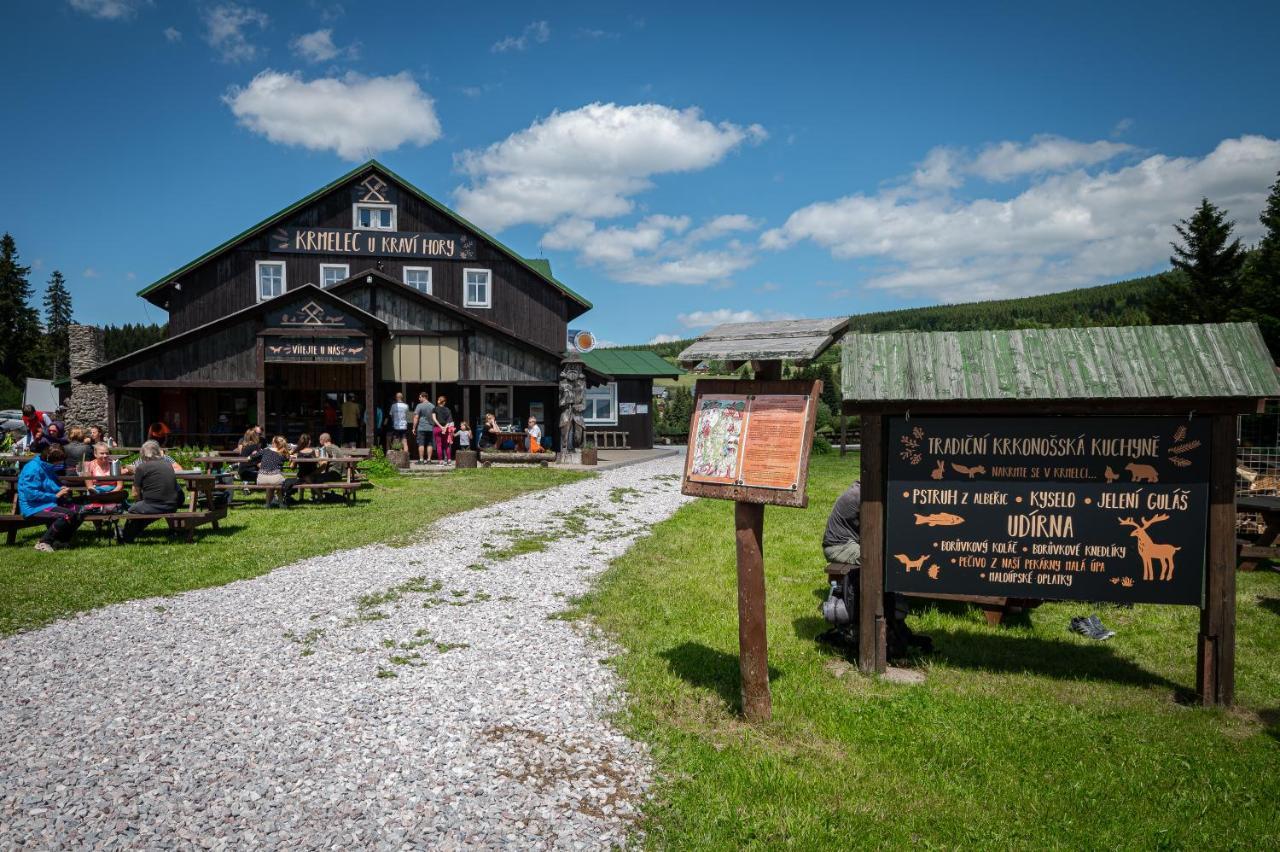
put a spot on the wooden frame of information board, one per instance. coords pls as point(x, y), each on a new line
point(788, 454)
point(749, 502)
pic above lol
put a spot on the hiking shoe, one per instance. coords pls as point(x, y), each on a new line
point(44, 547)
point(1081, 625)
point(1102, 633)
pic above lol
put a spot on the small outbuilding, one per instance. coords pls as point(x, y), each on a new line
point(619, 409)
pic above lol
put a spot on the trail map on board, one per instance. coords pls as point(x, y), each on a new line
point(750, 440)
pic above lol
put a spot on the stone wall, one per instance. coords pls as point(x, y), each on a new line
point(87, 405)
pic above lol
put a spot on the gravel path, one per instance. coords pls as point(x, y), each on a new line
point(419, 697)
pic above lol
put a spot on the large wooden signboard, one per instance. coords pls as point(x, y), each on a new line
point(315, 350)
point(1072, 508)
point(750, 441)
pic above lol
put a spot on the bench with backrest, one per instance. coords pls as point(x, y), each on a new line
point(609, 439)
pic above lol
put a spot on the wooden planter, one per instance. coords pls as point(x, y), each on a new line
point(398, 458)
point(466, 458)
point(589, 455)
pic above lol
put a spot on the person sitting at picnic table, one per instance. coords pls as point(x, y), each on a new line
point(98, 473)
point(249, 444)
point(31, 418)
point(158, 432)
point(304, 455)
point(422, 426)
point(76, 449)
point(271, 461)
point(42, 496)
point(156, 488)
point(98, 436)
point(442, 418)
point(533, 432)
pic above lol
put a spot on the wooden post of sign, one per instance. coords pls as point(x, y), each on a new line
point(1216, 644)
point(873, 634)
point(844, 434)
point(753, 641)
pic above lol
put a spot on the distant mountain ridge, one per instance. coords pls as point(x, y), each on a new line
point(1121, 303)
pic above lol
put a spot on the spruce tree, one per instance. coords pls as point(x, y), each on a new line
point(1262, 274)
point(57, 319)
point(1210, 286)
point(19, 322)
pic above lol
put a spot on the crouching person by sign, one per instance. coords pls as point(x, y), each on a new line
point(842, 547)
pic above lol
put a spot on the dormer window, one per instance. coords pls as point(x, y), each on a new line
point(374, 217)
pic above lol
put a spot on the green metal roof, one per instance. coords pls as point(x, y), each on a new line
point(1141, 362)
point(542, 268)
point(629, 362)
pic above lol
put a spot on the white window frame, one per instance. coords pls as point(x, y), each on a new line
point(488, 288)
point(346, 272)
point(611, 391)
point(355, 215)
point(257, 278)
point(404, 277)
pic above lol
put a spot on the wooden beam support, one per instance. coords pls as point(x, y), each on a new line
point(872, 628)
point(1216, 644)
point(368, 392)
point(753, 643)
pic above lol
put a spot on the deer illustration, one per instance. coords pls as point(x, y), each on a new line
point(911, 564)
point(938, 471)
point(1149, 550)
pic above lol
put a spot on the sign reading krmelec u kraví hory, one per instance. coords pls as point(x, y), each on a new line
point(1078, 508)
point(380, 243)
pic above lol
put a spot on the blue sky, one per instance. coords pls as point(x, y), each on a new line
point(679, 164)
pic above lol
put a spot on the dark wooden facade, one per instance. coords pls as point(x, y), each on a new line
point(223, 337)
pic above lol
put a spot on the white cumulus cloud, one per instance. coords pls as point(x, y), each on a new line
point(589, 162)
point(226, 28)
point(353, 115)
point(1008, 160)
point(538, 32)
point(658, 249)
point(664, 338)
point(109, 10)
point(172, 34)
point(1065, 230)
point(318, 46)
point(720, 316)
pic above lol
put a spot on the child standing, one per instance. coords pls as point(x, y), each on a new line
point(464, 436)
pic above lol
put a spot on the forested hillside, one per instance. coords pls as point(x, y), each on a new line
point(1122, 303)
point(122, 339)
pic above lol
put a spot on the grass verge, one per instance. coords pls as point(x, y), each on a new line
point(36, 588)
point(1021, 736)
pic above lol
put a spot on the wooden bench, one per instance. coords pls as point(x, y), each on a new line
point(184, 522)
point(348, 489)
point(609, 439)
point(13, 522)
point(994, 608)
point(488, 457)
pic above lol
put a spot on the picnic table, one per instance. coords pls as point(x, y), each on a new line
point(348, 485)
point(1250, 553)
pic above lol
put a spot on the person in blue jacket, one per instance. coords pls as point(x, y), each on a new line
point(42, 496)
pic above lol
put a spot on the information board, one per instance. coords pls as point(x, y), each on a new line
point(1071, 508)
point(749, 441)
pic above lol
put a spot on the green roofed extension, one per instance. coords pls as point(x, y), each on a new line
point(1218, 361)
point(629, 362)
point(540, 267)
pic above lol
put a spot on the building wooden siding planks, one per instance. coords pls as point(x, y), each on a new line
point(1227, 360)
point(227, 355)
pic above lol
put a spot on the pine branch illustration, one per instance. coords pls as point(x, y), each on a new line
point(1184, 448)
point(1180, 462)
point(1179, 434)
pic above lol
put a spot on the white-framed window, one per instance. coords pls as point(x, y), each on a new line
point(270, 275)
point(601, 405)
point(373, 217)
point(477, 288)
point(332, 273)
point(418, 277)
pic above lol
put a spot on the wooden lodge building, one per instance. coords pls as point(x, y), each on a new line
point(365, 287)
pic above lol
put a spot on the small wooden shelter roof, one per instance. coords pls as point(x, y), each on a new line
point(793, 340)
point(1169, 362)
point(630, 362)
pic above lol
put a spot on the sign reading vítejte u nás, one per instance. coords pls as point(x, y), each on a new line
point(1077, 508)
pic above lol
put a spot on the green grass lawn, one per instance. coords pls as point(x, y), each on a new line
point(36, 588)
point(1022, 736)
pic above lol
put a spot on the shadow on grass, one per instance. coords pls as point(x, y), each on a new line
point(1018, 654)
point(1271, 605)
point(1271, 719)
point(707, 668)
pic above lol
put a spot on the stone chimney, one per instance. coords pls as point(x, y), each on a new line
point(87, 405)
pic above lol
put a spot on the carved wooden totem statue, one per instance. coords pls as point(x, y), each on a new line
point(573, 392)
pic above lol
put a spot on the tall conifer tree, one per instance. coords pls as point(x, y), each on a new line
point(19, 322)
point(1262, 274)
point(1210, 286)
point(57, 319)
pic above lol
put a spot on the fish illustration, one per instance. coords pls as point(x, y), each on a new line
point(939, 519)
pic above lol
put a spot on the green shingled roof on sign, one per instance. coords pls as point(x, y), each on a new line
point(1141, 362)
point(629, 362)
